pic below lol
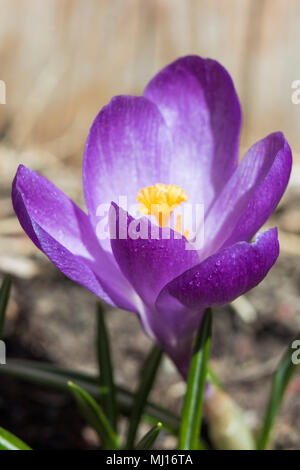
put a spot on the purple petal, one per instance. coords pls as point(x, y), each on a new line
point(174, 329)
point(198, 101)
point(63, 232)
point(250, 195)
point(267, 195)
point(128, 148)
point(225, 275)
point(148, 263)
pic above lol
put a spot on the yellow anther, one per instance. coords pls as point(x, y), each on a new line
point(179, 228)
point(161, 200)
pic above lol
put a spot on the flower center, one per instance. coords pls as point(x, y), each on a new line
point(161, 200)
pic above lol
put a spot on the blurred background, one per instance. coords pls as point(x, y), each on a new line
point(61, 61)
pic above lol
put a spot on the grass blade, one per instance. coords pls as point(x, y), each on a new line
point(189, 433)
point(54, 377)
point(150, 369)
point(4, 296)
point(148, 440)
point(9, 441)
point(108, 397)
point(94, 416)
point(211, 377)
point(281, 379)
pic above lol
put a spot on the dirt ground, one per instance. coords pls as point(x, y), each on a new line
point(51, 318)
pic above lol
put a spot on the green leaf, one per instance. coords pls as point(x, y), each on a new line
point(4, 296)
point(94, 416)
point(211, 377)
point(107, 387)
point(56, 378)
point(193, 401)
point(9, 441)
point(281, 379)
point(148, 440)
point(149, 369)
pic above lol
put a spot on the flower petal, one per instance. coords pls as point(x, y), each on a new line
point(251, 194)
point(128, 148)
point(174, 329)
point(63, 232)
point(148, 263)
point(198, 101)
point(267, 195)
point(225, 275)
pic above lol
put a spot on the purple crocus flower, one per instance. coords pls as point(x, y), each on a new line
point(177, 142)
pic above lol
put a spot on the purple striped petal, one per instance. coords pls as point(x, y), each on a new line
point(148, 263)
point(251, 194)
point(225, 275)
point(200, 106)
point(267, 195)
point(128, 148)
point(63, 232)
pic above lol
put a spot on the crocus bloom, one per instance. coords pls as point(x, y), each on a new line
point(176, 143)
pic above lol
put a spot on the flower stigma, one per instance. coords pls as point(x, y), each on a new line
point(160, 201)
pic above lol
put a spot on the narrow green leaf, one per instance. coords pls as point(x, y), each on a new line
point(281, 379)
point(148, 440)
point(56, 378)
point(94, 416)
point(9, 441)
point(211, 377)
point(4, 296)
point(151, 415)
point(190, 427)
point(108, 398)
point(150, 369)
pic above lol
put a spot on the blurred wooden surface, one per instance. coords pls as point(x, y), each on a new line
point(63, 59)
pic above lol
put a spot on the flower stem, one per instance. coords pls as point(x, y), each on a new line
point(193, 401)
